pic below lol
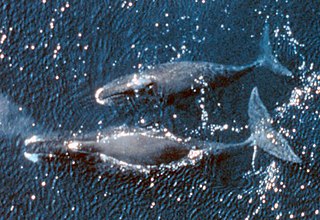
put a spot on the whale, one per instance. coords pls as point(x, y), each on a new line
point(169, 80)
point(138, 146)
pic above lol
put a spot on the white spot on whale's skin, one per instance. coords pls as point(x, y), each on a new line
point(194, 154)
point(73, 145)
point(138, 81)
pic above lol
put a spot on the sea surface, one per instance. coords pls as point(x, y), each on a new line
point(54, 55)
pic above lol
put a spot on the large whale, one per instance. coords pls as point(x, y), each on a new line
point(151, 148)
point(169, 79)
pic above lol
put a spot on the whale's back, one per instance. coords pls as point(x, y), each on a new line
point(138, 148)
point(176, 77)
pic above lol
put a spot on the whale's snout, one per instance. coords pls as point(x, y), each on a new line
point(123, 87)
point(105, 95)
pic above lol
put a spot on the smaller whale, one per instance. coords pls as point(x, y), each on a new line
point(150, 148)
point(168, 80)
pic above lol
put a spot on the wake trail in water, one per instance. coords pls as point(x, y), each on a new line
point(13, 121)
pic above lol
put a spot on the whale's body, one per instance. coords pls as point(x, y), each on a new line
point(135, 146)
point(144, 147)
point(170, 79)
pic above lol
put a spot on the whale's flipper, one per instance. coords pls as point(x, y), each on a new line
point(267, 59)
point(263, 135)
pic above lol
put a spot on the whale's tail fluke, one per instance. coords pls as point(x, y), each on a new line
point(263, 135)
point(267, 59)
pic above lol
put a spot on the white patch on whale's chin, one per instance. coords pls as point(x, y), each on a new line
point(32, 157)
point(33, 139)
point(97, 94)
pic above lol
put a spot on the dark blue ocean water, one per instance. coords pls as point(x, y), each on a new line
point(55, 54)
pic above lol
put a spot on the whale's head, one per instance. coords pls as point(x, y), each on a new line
point(129, 86)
